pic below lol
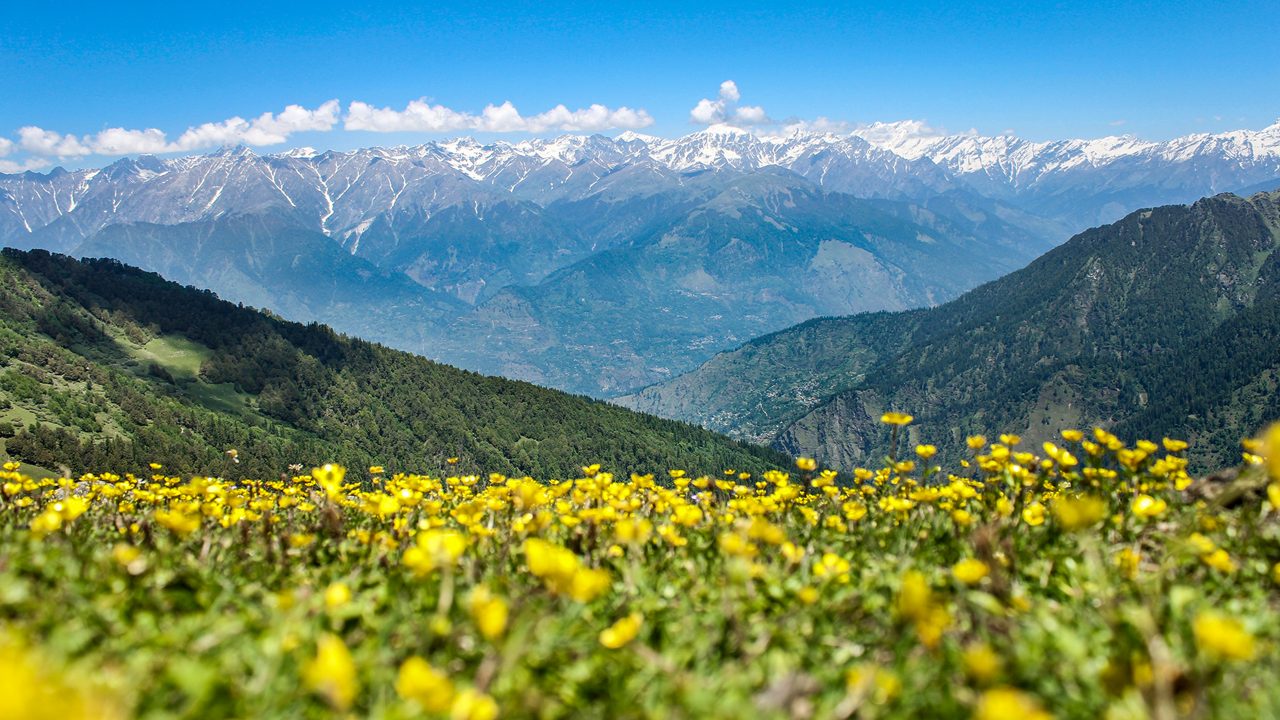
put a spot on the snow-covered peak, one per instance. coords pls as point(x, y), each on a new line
point(566, 148)
point(233, 151)
point(631, 136)
point(901, 134)
point(724, 130)
point(302, 152)
point(1020, 162)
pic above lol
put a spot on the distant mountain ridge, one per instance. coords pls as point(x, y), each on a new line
point(342, 193)
point(1166, 322)
point(601, 265)
point(1090, 182)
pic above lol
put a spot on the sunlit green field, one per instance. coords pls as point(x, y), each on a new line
point(1091, 578)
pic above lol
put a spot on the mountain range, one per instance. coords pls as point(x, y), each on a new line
point(1166, 322)
point(604, 265)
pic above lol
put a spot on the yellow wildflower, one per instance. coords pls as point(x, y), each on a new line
point(471, 704)
point(1222, 637)
point(1269, 446)
point(420, 683)
point(180, 523)
point(332, 673)
point(1005, 703)
point(832, 566)
point(1220, 560)
point(587, 584)
point(31, 688)
point(1078, 512)
point(1147, 507)
point(633, 530)
point(1128, 561)
point(981, 663)
point(125, 554)
point(792, 552)
point(1201, 544)
point(1033, 514)
point(622, 632)
point(488, 611)
point(45, 523)
point(337, 595)
point(330, 477)
point(970, 571)
point(434, 549)
point(914, 596)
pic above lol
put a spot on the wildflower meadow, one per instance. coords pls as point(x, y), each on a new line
point(1084, 578)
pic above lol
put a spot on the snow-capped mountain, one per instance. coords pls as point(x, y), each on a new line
point(342, 194)
point(601, 264)
point(1021, 162)
point(1087, 182)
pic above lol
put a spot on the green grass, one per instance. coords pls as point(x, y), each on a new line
point(24, 415)
point(182, 358)
point(178, 355)
point(222, 397)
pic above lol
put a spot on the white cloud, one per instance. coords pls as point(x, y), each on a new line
point(10, 166)
point(119, 141)
point(707, 112)
point(266, 129)
point(39, 141)
point(590, 119)
point(501, 118)
point(729, 91)
point(725, 109)
point(421, 116)
point(276, 128)
point(751, 115)
point(418, 115)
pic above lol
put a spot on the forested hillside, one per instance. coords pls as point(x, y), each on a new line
point(1165, 323)
point(105, 366)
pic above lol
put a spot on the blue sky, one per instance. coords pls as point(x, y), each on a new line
point(1043, 71)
